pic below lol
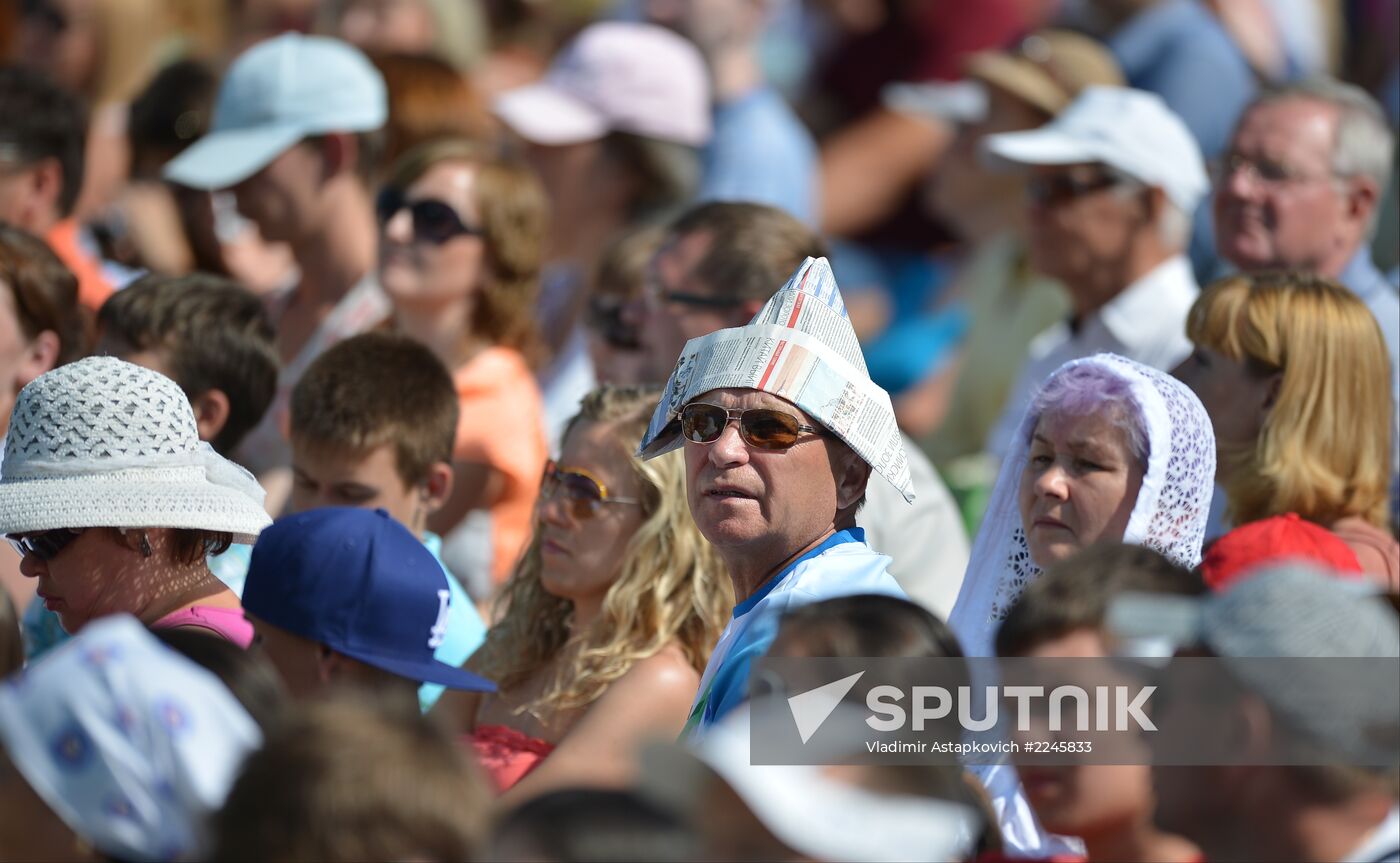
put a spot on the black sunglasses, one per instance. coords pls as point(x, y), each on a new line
point(700, 301)
point(434, 221)
point(761, 428)
point(1062, 188)
point(605, 314)
point(45, 544)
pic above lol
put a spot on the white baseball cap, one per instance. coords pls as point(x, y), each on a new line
point(803, 805)
point(616, 76)
point(1131, 130)
point(275, 94)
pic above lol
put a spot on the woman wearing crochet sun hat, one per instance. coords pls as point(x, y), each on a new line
point(113, 502)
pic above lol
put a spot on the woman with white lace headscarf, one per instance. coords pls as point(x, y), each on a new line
point(1109, 450)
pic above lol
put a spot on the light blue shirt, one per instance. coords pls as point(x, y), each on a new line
point(842, 566)
point(231, 567)
point(1362, 278)
point(761, 152)
point(1380, 296)
point(465, 628)
point(1178, 50)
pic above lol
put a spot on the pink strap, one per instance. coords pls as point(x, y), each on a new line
point(228, 623)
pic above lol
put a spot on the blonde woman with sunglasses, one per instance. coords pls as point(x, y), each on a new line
point(609, 618)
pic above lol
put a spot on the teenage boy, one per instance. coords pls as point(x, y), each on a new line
point(343, 596)
point(373, 421)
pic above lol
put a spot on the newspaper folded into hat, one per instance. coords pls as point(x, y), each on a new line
point(800, 347)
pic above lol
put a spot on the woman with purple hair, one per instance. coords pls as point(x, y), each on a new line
point(1109, 450)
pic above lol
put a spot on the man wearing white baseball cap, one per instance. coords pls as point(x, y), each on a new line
point(1112, 183)
point(294, 137)
point(615, 131)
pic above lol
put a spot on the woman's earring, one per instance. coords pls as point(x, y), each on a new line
point(145, 545)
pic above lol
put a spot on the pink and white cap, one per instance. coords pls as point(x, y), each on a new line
point(616, 76)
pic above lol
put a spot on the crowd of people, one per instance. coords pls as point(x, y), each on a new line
point(423, 418)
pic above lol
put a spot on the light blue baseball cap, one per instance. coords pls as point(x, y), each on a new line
point(274, 95)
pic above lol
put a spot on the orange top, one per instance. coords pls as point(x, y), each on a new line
point(502, 425)
point(93, 287)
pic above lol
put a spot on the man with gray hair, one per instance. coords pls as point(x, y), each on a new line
point(1300, 186)
point(1112, 183)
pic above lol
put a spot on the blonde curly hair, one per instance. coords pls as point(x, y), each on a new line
point(671, 587)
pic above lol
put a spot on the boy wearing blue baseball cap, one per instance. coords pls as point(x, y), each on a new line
point(373, 421)
point(343, 596)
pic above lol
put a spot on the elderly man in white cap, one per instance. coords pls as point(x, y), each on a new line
point(782, 427)
point(1112, 183)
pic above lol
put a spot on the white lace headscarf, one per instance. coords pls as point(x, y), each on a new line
point(1169, 515)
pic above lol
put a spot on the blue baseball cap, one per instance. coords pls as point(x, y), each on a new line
point(358, 582)
point(275, 94)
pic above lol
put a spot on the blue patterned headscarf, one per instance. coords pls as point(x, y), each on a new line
point(131, 744)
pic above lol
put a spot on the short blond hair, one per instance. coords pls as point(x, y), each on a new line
point(1324, 449)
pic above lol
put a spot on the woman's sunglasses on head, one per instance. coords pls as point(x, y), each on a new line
point(434, 221)
point(584, 493)
point(760, 428)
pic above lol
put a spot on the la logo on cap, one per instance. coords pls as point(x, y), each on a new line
point(438, 631)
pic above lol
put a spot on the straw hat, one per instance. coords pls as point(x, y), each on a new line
point(1048, 68)
point(104, 443)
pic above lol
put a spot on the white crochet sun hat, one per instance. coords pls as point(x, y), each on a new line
point(104, 443)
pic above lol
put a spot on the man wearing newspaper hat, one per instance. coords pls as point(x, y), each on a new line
point(782, 428)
